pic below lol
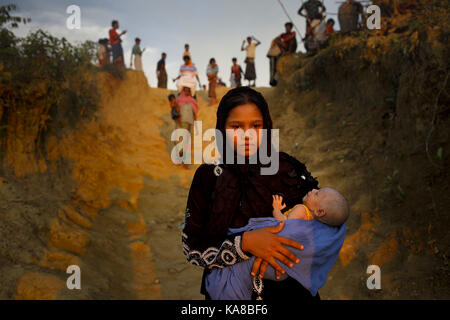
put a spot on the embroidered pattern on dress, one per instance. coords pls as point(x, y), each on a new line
point(257, 286)
point(227, 255)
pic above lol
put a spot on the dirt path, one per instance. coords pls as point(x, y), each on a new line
point(120, 205)
point(110, 200)
point(121, 212)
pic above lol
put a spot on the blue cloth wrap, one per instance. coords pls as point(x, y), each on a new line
point(321, 243)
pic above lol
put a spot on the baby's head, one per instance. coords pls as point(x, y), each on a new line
point(327, 205)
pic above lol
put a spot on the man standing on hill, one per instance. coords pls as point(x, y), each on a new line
point(312, 9)
point(161, 72)
point(137, 52)
point(348, 15)
point(250, 71)
point(115, 42)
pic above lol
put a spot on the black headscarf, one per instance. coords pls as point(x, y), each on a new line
point(241, 192)
point(237, 97)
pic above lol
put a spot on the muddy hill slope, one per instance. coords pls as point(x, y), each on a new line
point(91, 182)
point(98, 194)
point(369, 115)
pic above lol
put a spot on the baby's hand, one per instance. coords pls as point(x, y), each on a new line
point(278, 203)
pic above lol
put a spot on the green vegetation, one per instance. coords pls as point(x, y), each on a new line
point(43, 72)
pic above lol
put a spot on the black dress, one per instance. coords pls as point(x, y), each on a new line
point(217, 203)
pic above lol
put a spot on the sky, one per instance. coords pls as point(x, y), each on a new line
point(213, 28)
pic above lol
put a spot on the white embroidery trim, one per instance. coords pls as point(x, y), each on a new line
point(237, 244)
point(196, 257)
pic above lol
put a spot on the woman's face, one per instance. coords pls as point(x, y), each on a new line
point(245, 117)
point(186, 60)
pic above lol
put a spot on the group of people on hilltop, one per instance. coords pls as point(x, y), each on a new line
point(112, 46)
point(318, 32)
point(110, 51)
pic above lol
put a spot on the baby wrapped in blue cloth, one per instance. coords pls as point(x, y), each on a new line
point(318, 224)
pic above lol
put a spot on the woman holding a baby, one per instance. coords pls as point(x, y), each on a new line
point(228, 195)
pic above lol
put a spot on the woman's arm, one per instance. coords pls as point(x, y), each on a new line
point(199, 247)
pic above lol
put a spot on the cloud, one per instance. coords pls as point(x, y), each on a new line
point(55, 24)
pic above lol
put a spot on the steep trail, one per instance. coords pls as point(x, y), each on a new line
point(122, 223)
point(108, 198)
point(121, 220)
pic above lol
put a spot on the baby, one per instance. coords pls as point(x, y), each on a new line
point(322, 242)
point(326, 205)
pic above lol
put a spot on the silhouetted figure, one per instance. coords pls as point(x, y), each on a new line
point(161, 73)
point(348, 15)
point(312, 9)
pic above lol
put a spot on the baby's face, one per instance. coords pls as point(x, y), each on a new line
point(327, 205)
point(316, 198)
point(313, 198)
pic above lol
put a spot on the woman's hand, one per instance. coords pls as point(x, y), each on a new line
point(266, 245)
point(262, 265)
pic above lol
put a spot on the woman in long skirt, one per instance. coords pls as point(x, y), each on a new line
point(211, 72)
